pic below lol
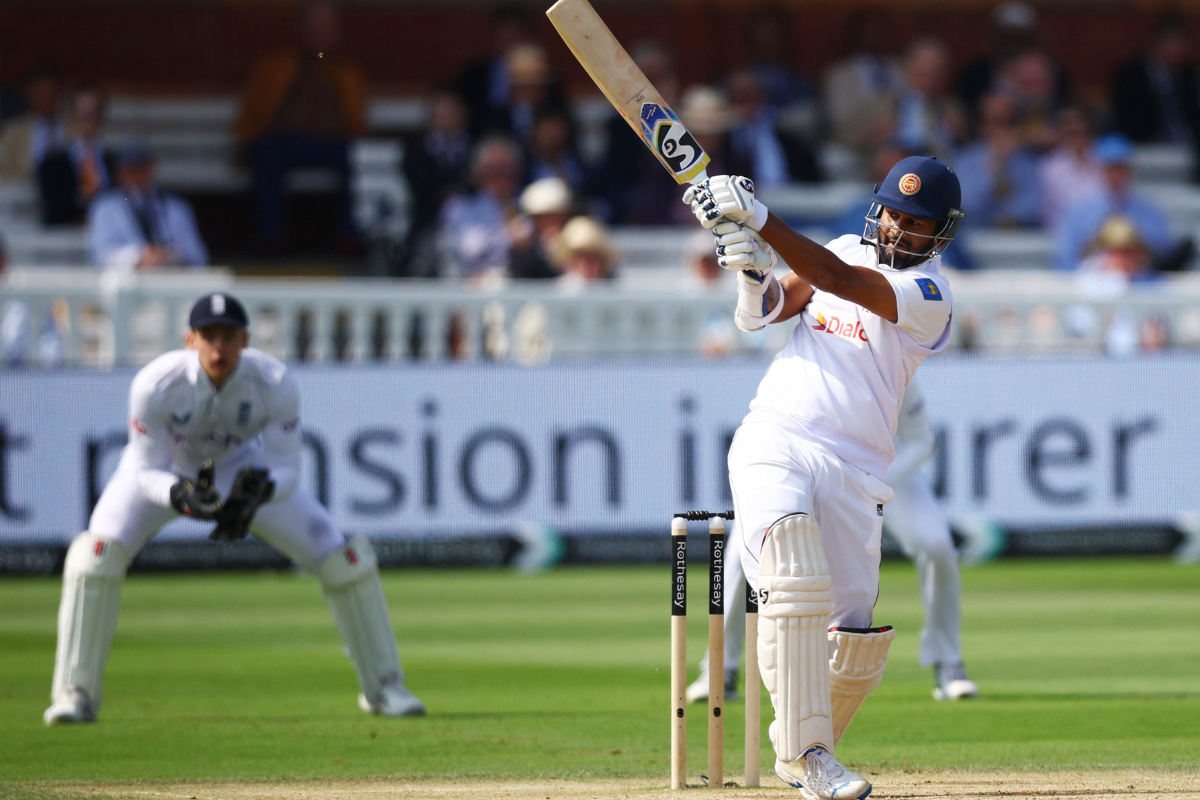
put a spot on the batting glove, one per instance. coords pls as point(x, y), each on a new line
point(739, 248)
point(728, 196)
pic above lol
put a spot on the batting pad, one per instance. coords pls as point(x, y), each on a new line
point(855, 670)
point(793, 649)
point(87, 615)
point(350, 577)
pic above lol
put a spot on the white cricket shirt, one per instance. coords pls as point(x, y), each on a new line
point(178, 420)
point(841, 378)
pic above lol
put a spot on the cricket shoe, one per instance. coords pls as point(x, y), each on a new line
point(952, 682)
point(819, 776)
point(71, 705)
point(698, 690)
point(393, 700)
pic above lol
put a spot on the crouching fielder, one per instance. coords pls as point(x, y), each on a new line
point(214, 433)
point(808, 464)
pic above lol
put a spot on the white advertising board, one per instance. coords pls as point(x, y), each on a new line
point(616, 447)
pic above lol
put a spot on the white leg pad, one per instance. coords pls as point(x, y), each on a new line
point(350, 578)
point(87, 615)
point(855, 670)
point(793, 649)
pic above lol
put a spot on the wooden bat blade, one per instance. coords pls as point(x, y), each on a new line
point(634, 97)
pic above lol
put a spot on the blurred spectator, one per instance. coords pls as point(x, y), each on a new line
point(551, 152)
point(709, 118)
point(546, 204)
point(437, 165)
point(69, 178)
point(484, 86)
point(1014, 30)
point(16, 328)
point(585, 253)
point(860, 91)
point(532, 90)
point(1069, 173)
point(1156, 97)
point(1084, 220)
point(475, 226)
point(700, 263)
point(27, 139)
point(927, 117)
point(776, 157)
point(768, 37)
point(300, 110)
point(999, 175)
point(135, 226)
point(1027, 79)
point(1118, 259)
point(626, 159)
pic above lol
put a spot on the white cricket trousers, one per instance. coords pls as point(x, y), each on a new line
point(916, 520)
point(773, 473)
point(299, 527)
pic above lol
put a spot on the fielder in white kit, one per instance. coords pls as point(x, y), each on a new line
point(808, 464)
point(217, 420)
point(917, 522)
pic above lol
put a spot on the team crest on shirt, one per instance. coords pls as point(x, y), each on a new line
point(929, 289)
point(910, 184)
point(851, 330)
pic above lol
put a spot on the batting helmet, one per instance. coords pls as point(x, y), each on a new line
point(921, 187)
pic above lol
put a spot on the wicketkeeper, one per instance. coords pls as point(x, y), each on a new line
point(214, 433)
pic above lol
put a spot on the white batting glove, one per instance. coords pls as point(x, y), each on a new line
point(728, 196)
point(739, 247)
point(760, 300)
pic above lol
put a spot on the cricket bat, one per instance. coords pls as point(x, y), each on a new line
point(628, 90)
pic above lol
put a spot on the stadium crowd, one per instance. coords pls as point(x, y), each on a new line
point(499, 168)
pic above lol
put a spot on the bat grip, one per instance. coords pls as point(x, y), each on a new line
point(700, 178)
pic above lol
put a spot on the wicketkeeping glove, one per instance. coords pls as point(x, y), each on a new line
point(199, 499)
point(251, 488)
point(739, 247)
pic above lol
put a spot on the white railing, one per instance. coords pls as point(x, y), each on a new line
point(100, 319)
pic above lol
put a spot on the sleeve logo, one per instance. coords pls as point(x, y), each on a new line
point(910, 184)
point(929, 289)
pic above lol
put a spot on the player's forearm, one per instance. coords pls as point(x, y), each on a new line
point(821, 269)
point(156, 485)
point(796, 294)
point(910, 457)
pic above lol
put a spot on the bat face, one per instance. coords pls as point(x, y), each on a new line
point(668, 137)
point(637, 101)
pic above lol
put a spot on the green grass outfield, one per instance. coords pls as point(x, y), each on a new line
point(1082, 663)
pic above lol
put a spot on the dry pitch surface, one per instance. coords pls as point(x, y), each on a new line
point(919, 785)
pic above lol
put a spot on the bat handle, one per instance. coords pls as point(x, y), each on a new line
point(700, 178)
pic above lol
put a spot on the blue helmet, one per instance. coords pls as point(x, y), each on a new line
point(921, 187)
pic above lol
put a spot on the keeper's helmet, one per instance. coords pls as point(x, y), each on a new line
point(921, 187)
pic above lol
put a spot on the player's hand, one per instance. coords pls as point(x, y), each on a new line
point(199, 500)
point(251, 488)
point(728, 196)
point(739, 248)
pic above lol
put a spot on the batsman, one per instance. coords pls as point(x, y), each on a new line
point(214, 434)
point(808, 463)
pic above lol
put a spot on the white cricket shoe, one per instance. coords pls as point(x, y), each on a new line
point(952, 682)
point(819, 776)
point(698, 689)
point(71, 705)
point(393, 700)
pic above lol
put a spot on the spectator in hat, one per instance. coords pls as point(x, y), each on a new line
point(69, 178)
point(135, 226)
point(28, 139)
point(585, 254)
point(1084, 220)
point(545, 207)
